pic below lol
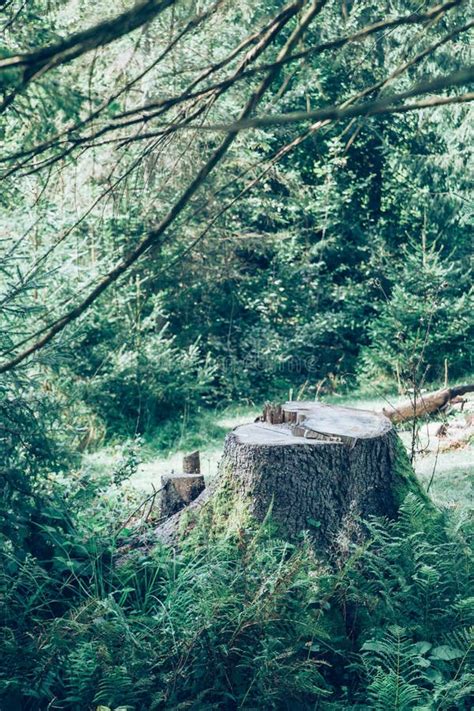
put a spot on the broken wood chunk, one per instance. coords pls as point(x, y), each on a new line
point(272, 414)
point(179, 490)
point(192, 463)
point(427, 403)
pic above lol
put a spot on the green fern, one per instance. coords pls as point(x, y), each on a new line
point(115, 689)
point(395, 667)
point(82, 673)
point(387, 691)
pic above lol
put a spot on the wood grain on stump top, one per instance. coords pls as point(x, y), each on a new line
point(315, 423)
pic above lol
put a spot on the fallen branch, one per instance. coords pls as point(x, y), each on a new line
point(425, 404)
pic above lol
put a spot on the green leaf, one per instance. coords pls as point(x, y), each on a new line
point(446, 653)
point(374, 646)
point(422, 647)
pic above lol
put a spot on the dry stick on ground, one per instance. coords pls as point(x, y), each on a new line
point(426, 404)
point(154, 238)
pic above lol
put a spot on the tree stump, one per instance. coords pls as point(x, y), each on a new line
point(316, 468)
point(179, 490)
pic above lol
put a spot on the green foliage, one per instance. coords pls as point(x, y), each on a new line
point(424, 322)
point(31, 512)
point(137, 379)
point(315, 276)
point(241, 618)
point(347, 258)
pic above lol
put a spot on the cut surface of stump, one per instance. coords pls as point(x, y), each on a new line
point(316, 467)
point(316, 421)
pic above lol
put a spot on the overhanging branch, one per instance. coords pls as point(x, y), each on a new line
point(387, 104)
point(155, 237)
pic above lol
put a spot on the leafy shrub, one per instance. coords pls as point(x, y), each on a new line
point(139, 384)
point(31, 446)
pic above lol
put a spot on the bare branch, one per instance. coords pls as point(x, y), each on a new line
point(369, 108)
point(99, 35)
point(155, 237)
point(154, 109)
point(359, 36)
point(73, 142)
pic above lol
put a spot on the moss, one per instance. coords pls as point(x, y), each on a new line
point(224, 516)
point(405, 481)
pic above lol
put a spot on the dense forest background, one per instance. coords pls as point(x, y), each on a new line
point(340, 262)
point(321, 255)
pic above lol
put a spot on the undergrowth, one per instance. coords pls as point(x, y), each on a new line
point(240, 618)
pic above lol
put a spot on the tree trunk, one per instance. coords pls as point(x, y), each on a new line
point(314, 467)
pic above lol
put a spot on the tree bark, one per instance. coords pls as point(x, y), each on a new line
point(330, 467)
point(320, 470)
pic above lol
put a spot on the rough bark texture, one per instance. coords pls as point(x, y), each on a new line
point(316, 487)
point(178, 491)
point(192, 463)
point(168, 532)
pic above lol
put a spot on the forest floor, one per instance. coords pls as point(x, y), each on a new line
point(446, 461)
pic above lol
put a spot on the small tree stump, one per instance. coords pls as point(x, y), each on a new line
point(315, 467)
point(179, 490)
